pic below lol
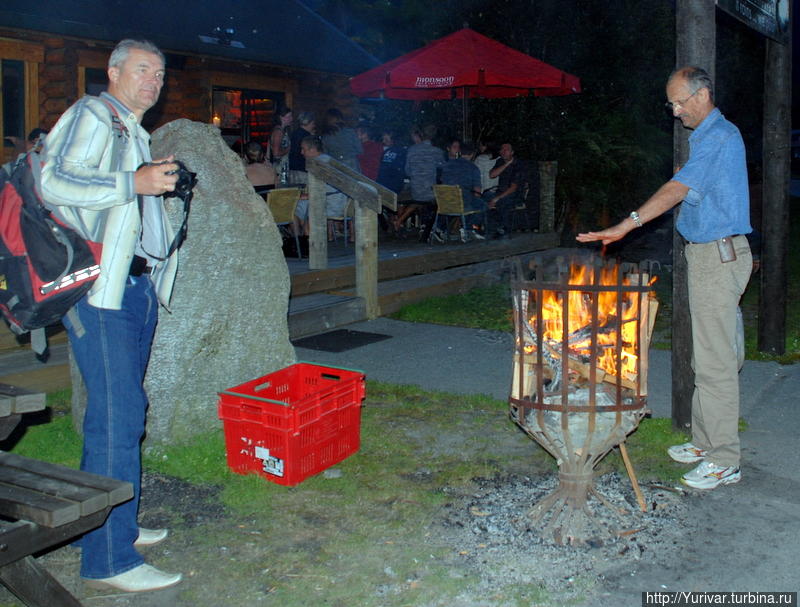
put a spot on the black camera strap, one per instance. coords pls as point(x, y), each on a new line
point(180, 235)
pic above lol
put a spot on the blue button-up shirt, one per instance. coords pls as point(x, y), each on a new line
point(718, 202)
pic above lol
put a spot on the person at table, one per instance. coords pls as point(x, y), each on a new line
point(510, 173)
point(485, 161)
point(280, 140)
point(335, 200)
point(423, 160)
point(391, 174)
point(259, 172)
point(340, 141)
point(370, 158)
point(306, 127)
point(461, 171)
point(391, 171)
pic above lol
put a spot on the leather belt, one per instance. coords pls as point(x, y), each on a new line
point(139, 266)
point(685, 241)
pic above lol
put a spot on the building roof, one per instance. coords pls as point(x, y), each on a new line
point(279, 32)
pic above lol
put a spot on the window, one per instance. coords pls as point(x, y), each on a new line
point(95, 81)
point(13, 78)
point(245, 114)
point(19, 96)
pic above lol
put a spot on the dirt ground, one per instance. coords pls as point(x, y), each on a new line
point(351, 537)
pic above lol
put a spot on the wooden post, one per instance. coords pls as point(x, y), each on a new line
point(695, 45)
point(775, 215)
point(366, 222)
point(318, 222)
point(547, 195)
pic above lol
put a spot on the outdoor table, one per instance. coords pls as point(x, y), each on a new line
point(43, 505)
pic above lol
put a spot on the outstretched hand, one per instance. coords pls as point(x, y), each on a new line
point(607, 236)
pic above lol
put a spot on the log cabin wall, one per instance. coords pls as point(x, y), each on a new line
point(56, 78)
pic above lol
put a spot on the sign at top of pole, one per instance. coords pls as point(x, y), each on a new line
point(769, 17)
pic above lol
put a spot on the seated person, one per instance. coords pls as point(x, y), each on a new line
point(423, 160)
point(372, 151)
point(461, 171)
point(391, 173)
point(510, 172)
point(485, 161)
point(259, 172)
point(335, 201)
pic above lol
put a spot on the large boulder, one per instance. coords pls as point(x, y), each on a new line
point(228, 319)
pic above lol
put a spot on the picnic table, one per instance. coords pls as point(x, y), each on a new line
point(43, 505)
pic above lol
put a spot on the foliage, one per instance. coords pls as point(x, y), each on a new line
point(613, 141)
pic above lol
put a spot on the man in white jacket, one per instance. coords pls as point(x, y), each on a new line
point(100, 177)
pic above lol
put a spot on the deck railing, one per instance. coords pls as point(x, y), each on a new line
point(368, 199)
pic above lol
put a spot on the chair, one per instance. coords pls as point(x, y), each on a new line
point(346, 218)
point(282, 204)
point(525, 210)
point(450, 202)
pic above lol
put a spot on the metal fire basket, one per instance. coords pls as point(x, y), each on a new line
point(579, 385)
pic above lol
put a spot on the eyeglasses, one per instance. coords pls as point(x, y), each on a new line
point(680, 103)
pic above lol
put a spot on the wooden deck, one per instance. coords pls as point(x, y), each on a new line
point(322, 300)
point(408, 271)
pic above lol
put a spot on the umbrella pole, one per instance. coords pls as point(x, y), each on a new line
point(464, 114)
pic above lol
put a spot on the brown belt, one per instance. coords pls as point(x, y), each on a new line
point(685, 241)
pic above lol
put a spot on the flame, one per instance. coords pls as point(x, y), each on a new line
point(579, 319)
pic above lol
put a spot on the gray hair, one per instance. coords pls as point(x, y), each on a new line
point(123, 49)
point(305, 118)
point(696, 78)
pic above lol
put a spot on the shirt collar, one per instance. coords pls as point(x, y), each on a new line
point(707, 123)
point(121, 108)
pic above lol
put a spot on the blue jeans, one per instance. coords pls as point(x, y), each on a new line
point(111, 349)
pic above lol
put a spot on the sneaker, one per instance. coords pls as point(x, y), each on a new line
point(687, 453)
point(464, 236)
point(436, 236)
point(477, 235)
point(707, 475)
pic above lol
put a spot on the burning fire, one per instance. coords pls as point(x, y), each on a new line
point(579, 321)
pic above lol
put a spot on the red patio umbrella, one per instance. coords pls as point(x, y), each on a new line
point(464, 65)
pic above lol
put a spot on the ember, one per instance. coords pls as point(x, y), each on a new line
point(580, 377)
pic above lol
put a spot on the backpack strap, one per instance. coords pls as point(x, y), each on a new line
point(121, 136)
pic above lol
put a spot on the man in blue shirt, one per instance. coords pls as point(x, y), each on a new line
point(714, 218)
point(461, 171)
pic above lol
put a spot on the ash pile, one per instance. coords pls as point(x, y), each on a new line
point(490, 530)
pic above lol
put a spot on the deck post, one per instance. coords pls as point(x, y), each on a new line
point(366, 223)
point(318, 220)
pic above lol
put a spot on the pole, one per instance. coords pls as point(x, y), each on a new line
point(775, 188)
point(695, 45)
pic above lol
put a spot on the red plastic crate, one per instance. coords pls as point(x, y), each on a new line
point(293, 423)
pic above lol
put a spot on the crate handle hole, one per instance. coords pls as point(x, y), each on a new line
point(263, 386)
point(330, 376)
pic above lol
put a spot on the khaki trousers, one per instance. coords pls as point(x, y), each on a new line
point(715, 289)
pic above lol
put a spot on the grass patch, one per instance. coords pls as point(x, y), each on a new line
point(482, 308)
point(366, 537)
point(647, 448)
point(490, 308)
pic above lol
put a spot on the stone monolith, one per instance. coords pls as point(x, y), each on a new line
point(228, 318)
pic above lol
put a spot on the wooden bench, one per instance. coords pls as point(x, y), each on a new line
point(43, 505)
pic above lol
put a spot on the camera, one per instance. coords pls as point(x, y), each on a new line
point(186, 181)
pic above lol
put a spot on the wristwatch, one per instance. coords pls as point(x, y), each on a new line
point(635, 216)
